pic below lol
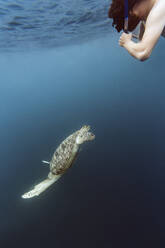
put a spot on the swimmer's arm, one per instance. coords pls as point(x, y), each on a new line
point(153, 29)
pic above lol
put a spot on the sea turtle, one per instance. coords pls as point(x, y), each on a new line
point(62, 159)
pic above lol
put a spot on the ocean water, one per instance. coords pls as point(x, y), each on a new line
point(114, 195)
point(44, 24)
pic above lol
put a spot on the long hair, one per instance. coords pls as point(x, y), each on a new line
point(116, 12)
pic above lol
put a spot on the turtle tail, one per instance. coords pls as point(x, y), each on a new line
point(39, 188)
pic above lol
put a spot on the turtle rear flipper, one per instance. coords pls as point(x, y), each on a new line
point(39, 188)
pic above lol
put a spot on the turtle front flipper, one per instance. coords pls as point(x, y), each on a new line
point(39, 188)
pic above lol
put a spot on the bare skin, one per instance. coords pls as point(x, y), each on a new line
point(152, 12)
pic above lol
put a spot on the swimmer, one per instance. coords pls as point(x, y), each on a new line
point(149, 14)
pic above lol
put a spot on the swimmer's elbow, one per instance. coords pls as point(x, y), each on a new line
point(143, 51)
point(139, 50)
point(143, 56)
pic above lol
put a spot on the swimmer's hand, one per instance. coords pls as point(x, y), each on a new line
point(125, 39)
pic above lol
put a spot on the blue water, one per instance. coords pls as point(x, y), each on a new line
point(44, 24)
point(114, 195)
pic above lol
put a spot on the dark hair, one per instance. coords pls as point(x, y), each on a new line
point(116, 12)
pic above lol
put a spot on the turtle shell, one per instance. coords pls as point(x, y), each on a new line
point(64, 155)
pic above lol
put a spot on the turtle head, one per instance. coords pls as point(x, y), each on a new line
point(84, 135)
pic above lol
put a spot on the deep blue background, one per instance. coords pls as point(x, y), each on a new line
point(114, 195)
